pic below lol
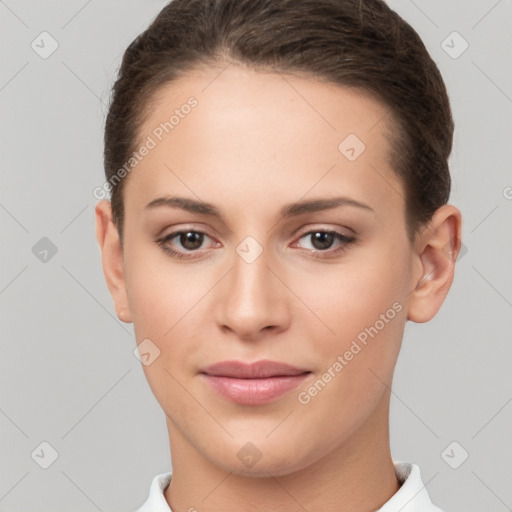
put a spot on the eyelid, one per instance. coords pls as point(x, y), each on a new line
point(198, 253)
point(199, 229)
point(176, 233)
point(184, 229)
point(340, 236)
point(319, 227)
point(164, 242)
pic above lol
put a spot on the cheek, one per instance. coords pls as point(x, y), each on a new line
point(343, 300)
point(158, 291)
point(361, 306)
point(155, 298)
point(166, 302)
point(356, 362)
point(159, 302)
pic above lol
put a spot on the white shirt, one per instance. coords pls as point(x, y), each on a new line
point(411, 497)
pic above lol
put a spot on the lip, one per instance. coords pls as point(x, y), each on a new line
point(257, 370)
point(253, 383)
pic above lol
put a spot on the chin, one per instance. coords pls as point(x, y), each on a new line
point(262, 459)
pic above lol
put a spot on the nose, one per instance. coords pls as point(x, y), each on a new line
point(253, 300)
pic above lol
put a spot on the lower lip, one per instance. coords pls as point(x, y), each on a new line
point(254, 391)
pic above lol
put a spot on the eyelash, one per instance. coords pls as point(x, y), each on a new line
point(328, 253)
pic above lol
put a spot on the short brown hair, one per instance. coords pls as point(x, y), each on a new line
point(356, 43)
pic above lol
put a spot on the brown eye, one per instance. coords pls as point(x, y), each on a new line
point(191, 240)
point(183, 244)
point(322, 241)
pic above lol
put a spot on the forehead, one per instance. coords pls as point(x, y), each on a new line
point(262, 134)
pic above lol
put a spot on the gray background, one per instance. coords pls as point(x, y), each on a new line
point(67, 369)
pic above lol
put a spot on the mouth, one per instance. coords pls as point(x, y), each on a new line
point(253, 383)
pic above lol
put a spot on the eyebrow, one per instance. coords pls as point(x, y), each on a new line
point(287, 211)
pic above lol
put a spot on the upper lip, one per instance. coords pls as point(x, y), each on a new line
point(256, 370)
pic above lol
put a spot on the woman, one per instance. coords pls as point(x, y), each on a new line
point(279, 179)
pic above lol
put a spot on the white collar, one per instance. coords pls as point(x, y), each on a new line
point(411, 497)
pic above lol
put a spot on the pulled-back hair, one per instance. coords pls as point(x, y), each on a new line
point(356, 43)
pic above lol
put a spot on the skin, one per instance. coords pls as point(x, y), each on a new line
point(255, 142)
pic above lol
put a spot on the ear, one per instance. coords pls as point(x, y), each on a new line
point(112, 259)
point(436, 251)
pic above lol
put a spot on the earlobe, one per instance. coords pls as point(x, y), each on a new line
point(437, 250)
point(112, 259)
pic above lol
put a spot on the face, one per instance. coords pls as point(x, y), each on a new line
point(322, 287)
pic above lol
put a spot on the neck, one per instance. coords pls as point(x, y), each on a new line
point(358, 475)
